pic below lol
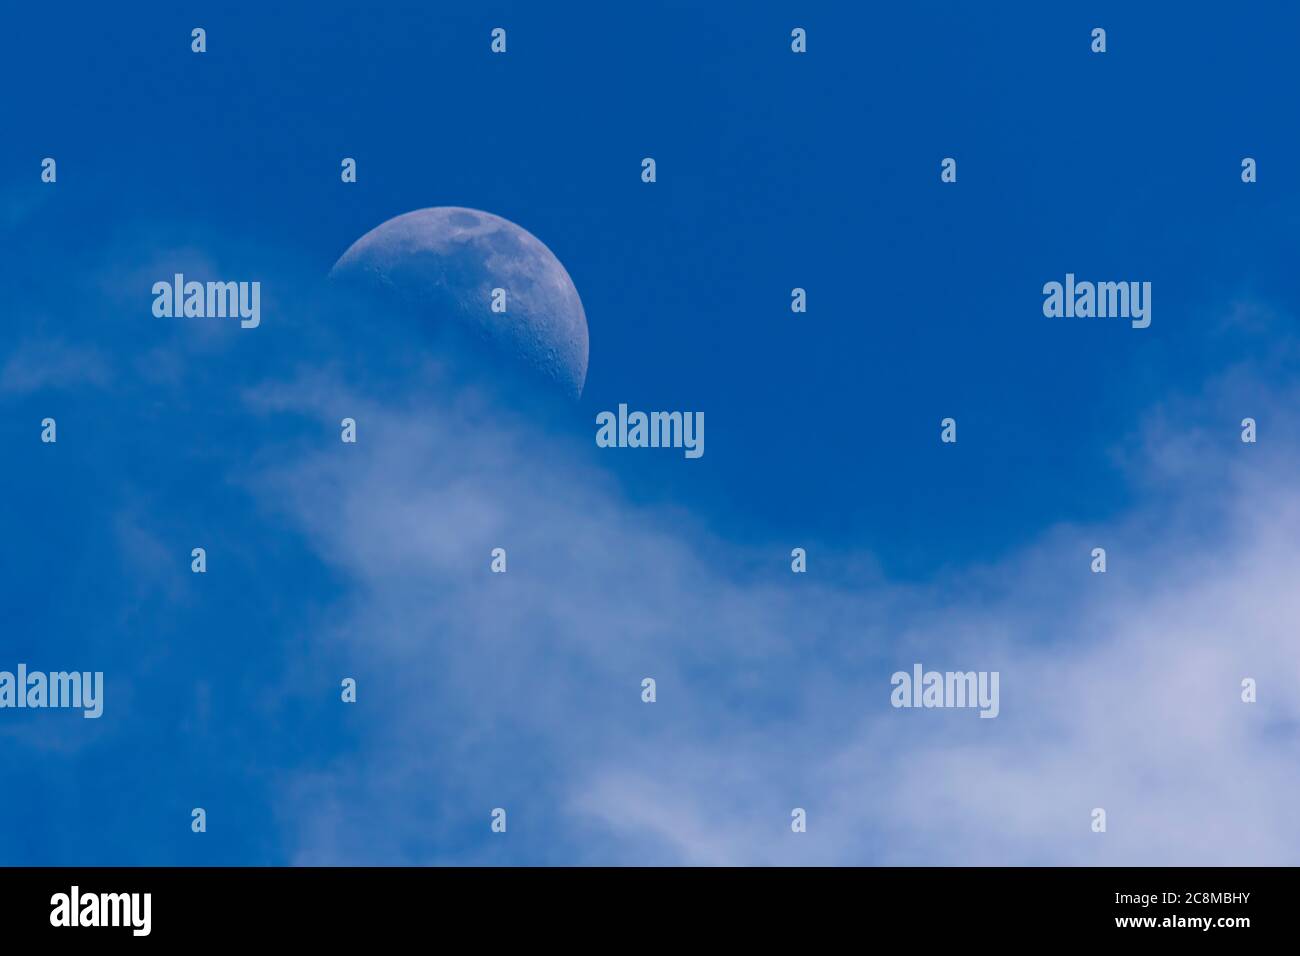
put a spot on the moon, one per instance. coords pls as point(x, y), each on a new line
point(443, 263)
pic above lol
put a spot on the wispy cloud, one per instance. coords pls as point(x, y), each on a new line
point(42, 364)
point(1119, 691)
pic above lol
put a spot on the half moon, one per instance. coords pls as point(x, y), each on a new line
point(442, 265)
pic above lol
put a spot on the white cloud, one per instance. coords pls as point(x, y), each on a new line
point(53, 364)
point(1119, 691)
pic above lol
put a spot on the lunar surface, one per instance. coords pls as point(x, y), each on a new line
point(442, 265)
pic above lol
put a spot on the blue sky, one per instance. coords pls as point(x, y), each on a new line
point(774, 171)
